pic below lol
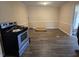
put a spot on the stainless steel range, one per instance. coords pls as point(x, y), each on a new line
point(15, 39)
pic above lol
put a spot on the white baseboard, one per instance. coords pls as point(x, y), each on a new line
point(51, 27)
point(47, 28)
point(64, 31)
point(55, 28)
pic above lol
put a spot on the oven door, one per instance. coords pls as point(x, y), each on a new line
point(22, 38)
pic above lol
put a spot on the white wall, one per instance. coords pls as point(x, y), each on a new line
point(46, 17)
point(13, 11)
point(21, 13)
point(6, 12)
point(66, 17)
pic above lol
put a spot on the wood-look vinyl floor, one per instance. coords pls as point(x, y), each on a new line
point(52, 43)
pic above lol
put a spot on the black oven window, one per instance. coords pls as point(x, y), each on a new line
point(24, 36)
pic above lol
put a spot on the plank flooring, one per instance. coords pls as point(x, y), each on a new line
point(52, 43)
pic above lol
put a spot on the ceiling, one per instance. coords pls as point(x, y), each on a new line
point(52, 3)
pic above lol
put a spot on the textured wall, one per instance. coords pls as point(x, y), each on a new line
point(66, 17)
point(46, 17)
point(13, 11)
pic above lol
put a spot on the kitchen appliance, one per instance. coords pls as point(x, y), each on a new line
point(15, 39)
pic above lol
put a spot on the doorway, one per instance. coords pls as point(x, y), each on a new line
point(76, 20)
